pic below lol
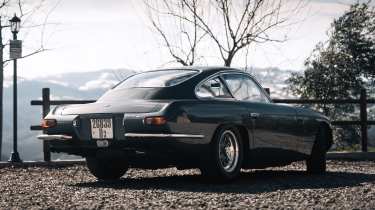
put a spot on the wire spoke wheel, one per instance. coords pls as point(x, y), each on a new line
point(228, 151)
point(225, 156)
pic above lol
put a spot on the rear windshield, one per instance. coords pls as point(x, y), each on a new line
point(163, 78)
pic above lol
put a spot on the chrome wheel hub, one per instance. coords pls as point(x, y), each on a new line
point(228, 151)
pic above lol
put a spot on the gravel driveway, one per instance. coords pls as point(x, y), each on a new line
point(347, 185)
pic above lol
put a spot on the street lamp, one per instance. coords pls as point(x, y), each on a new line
point(15, 27)
point(15, 24)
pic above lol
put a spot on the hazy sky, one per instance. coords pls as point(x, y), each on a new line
point(98, 34)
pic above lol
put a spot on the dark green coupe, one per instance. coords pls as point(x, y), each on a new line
point(216, 119)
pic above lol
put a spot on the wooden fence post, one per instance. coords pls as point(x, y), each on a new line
point(363, 116)
point(46, 109)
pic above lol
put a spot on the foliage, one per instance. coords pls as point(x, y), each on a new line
point(347, 137)
point(342, 66)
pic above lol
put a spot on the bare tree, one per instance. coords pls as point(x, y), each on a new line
point(183, 43)
point(26, 10)
point(231, 25)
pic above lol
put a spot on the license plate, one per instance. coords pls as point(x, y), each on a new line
point(101, 129)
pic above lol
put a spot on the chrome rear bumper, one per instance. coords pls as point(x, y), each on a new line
point(54, 137)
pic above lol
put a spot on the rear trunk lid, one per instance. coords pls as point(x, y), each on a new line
point(107, 108)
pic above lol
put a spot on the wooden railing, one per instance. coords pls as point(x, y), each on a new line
point(46, 104)
point(363, 121)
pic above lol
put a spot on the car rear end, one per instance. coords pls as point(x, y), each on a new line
point(141, 118)
point(159, 136)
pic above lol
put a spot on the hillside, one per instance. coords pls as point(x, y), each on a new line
point(86, 85)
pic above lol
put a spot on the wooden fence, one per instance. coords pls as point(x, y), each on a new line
point(46, 104)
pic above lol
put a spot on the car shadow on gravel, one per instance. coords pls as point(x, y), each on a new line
point(249, 182)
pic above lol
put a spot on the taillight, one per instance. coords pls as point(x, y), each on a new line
point(48, 123)
point(159, 120)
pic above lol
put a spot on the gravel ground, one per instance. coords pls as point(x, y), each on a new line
point(347, 185)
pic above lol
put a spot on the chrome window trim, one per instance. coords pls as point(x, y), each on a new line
point(231, 71)
point(162, 135)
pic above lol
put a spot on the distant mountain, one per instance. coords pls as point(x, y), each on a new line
point(80, 85)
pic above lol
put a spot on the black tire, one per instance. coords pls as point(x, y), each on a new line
point(316, 163)
point(213, 166)
point(106, 168)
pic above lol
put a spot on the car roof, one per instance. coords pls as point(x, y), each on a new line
point(206, 69)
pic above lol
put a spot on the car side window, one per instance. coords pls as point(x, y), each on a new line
point(212, 88)
point(244, 88)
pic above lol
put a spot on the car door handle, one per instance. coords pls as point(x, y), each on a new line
point(254, 115)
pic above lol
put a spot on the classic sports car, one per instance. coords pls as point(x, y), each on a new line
point(216, 119)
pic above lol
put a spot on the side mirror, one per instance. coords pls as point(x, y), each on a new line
point(268, 91)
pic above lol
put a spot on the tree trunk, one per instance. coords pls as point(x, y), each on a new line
point(228, 60)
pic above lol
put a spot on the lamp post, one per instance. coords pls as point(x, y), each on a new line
point(15, 27)
point(1, 87)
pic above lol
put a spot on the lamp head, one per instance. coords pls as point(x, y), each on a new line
point(15, 24)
